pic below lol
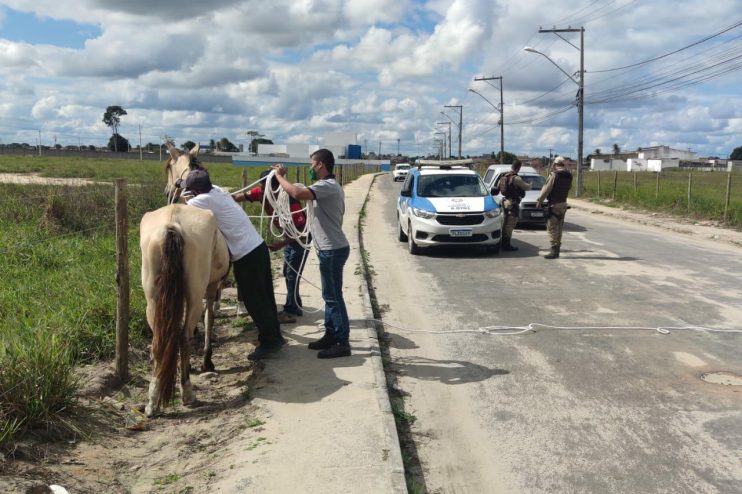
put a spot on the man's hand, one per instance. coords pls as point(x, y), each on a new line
point(279, 169)
point(276, 245)
point(538, 204)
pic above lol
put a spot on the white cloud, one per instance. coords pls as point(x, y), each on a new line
point(301, 68)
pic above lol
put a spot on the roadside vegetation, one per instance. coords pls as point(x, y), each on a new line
point(58, 266)
point(697, 195)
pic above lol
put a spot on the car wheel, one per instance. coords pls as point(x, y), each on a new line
point(400, 233)
point(411, 245)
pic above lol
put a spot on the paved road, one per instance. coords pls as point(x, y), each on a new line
point(567, 410)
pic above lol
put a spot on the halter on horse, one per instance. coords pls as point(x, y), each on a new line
point(184, 259)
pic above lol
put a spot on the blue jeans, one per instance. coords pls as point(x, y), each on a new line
point(331, 263)
point(293, 257)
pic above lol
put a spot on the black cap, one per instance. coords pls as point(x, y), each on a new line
point(198, 181)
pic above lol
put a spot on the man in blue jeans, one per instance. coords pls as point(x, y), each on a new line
point(332, 248)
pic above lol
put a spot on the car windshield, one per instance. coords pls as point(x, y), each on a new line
point(403, 167)
point(451, 186)
point(537, 181)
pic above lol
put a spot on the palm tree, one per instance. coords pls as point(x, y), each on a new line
point(616, 149)
point(597, 152)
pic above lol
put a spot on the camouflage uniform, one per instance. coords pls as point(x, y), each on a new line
point(556, 191)
point(514, 187)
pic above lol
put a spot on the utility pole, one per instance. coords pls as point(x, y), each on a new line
point(461, 121)
point(39, 142)
point(379, 148)
point(397, 146)
point(365, 147)
point(140, 142)
point(449, 135)
point(502, 115)
point(580, 96)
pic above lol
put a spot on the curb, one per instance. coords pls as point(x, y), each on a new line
point(397, 474)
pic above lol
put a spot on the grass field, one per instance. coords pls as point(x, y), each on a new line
point(696, 195)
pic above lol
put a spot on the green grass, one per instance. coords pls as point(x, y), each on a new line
point(640, 189)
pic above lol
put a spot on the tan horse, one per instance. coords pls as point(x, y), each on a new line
point(184, 259)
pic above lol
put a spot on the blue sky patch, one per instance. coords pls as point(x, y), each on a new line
point(28, 28)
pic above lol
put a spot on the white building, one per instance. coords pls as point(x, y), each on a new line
point(666, 152)
point(651, 159)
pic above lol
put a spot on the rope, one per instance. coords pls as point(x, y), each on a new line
point(531, 327)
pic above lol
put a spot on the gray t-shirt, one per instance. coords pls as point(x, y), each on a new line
point(329, 208)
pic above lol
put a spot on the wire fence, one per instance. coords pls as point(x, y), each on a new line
point(715, 196)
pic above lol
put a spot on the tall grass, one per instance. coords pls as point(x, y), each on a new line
point(640, 189)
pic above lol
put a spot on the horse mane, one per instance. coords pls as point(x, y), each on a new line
point(169, 309)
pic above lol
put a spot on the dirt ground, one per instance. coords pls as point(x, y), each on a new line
point(176, 452)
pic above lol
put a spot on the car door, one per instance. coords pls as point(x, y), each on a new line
point(403, 203)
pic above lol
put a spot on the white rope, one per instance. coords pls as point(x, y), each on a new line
point(504, 330)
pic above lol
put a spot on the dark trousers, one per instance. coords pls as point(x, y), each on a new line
point(252, 273)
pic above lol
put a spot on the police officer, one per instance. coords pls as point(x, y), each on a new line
point(513, 189)
point(556, 191)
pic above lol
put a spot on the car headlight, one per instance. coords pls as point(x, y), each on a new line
point(493, 213)
point(421, 213)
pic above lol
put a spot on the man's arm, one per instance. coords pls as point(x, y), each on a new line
point(546, 190)
point(522, 184)
point(301, 193)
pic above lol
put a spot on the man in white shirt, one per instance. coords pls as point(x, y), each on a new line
point(250, 259)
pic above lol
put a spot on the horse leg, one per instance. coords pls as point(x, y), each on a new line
point(153, 404)
point(186, 387)
point(208, 365)
point(193, 313)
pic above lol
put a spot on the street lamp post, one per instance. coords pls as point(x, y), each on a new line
point(501, 123)
point(580, 96)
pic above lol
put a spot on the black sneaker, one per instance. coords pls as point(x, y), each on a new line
point(335, 351)
point(263, 351)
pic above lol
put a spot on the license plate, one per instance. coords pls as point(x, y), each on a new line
point(537, 214)
point(460, 232)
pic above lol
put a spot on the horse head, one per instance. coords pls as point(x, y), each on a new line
point(177, 168)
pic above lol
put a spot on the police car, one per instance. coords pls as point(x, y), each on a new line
point(446, 203)
point(528, 213)
point(400, 171)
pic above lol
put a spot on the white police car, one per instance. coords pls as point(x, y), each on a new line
point(446, 203)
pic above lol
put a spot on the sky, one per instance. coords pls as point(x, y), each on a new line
point(657, 72)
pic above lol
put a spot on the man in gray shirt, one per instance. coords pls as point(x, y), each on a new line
point(332, 248)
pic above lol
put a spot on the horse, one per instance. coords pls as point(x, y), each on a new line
point(184, 260)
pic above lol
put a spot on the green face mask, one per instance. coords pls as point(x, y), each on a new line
point(312, 174)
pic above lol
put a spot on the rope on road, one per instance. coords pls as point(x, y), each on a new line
point(507, 330)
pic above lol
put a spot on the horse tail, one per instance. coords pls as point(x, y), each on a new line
point(169, 308)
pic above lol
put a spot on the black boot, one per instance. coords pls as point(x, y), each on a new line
point(327, 340)
point(506, 245)
point(339, 349)
point(554, 253)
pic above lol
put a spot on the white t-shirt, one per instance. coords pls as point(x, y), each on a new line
point(239, 232)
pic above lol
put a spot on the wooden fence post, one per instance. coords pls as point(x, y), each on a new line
point(243, 182)
point(635, 185)
point(615, 184)
point(122, 280)
point(657, 187)
point(598, 184)
point(729, 193)
point(690, 184)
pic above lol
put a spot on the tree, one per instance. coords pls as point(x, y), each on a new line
point(616, 149)
point(597, 152)
point(509, 157)
point(112, 118)
point(258, 140)
point(736, 154)
point(188, 145)
point(117, 142)
point(227, 146)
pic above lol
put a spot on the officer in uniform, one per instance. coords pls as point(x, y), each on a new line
point(556, 191)
point(512, 188)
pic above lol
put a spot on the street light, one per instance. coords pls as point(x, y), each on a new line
point(580, 104)
point(499, 122)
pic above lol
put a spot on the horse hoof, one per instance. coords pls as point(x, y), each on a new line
point(208, 367)
point(149, 411)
